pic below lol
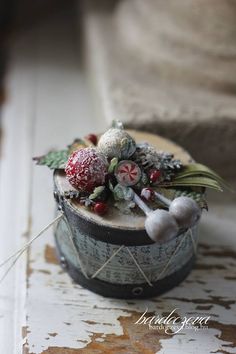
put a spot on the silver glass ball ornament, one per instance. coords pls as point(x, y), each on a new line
point(161, 226)
point(185, 211)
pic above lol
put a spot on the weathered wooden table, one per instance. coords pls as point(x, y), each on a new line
point(41, 309)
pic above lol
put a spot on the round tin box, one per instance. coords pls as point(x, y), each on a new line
point(113, 255)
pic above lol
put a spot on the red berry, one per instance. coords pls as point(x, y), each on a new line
point(100, 208)
point(154, 175)
point(86, 169)
point(93, 138)
point(147, 193)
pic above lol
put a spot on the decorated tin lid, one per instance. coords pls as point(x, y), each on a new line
point(132, 181)
point(123, 222)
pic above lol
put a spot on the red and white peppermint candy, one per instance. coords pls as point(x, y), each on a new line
point(127, 173)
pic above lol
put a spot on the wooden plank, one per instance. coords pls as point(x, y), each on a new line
point(15, 189)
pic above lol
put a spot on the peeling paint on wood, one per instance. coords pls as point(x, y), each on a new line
point(52, 334)
point(217, 300)
point(50, 255)
point(24, 331)
point(134, 340)
point(61, 350)
point(227, 334)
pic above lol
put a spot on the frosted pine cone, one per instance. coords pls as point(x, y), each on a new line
point(147, 158)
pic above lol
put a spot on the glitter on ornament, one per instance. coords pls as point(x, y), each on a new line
point(86, 169)
point(116, 142)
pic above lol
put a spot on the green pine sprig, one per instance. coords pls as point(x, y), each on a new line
point(197, 175)
point(53, 159)
point(57, 159)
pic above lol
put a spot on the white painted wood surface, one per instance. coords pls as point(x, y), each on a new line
point(15, 190)
point(47, 106)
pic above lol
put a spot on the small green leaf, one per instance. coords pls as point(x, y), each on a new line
point(113, 165)
point(97, 193)
point(110, 186)
point(199, 169)
point(197, 181)
point(53, 159)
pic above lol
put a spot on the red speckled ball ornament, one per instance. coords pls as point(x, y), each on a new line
point(86, 169)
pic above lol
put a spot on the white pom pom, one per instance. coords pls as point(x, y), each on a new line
point(161, 226)
point(185, 211)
